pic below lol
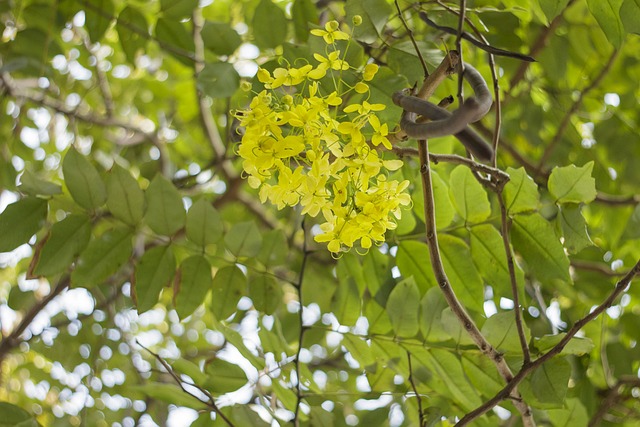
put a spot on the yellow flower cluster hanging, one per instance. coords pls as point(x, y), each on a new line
point(305, 145)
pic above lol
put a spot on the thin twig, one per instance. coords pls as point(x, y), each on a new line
point(461, 13)
point(415, 390)
point(413, 40)
point(620, 287)
point(103, 83)
point(574, 107)
point(298, 286)
point(612, 397)
point(210, 399)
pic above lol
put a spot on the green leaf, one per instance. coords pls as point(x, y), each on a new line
point(607, 13)
point(187, 367)
point(14, 416)
point(229, 285)
point(552, 8)
point(218, 80)
point(224, 377)
point(413, 260)
point(452, 326)
point(303, 13)
point(540, 248)
point(468, 196)
point(274, 249)
point(154, 271)
point(374, 13)
point(195, 281)
point(444, 209)
point(20, 300)
point(104, 257)
point(133, 32)
point(66, 240)
point(378, 318)
point(501, 331)
point(350, 269)
point(269, 25)
point(574, 228)
point(521, 192)
point(266, 293)
point(346, 304)
point(550, 381)
point(462, 273)
point(577, 346)
point(236, 340)
point(34, 186)
point(169, 393)
point(431, 307)
point(220, 38)
point(571, 184)
point(204, 224)
point(403, 307)
point(125, 199)
point(359, 349)
point(175, 39)
point(630, 15)
point(482, 373)
point(244, 239)
point(572, 414)
point(83, 180)
point(165, 211)
point(21, 220)
point(98, 16)
point(177, 9)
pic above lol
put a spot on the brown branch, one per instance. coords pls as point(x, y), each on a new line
point(461, 16)
point(620, 287)
point(12, 340)
point(298, 286)
point(415, 390)
point(574, 107)
point(598, 267)
point(612, 397)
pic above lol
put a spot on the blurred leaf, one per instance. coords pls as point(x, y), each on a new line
point(177, 9)
point(34, 186)
point(165, 211)
point(20, 300)
point(224, 377)
point(630, 15)
point(14, 416)
point(83, 180)
point(374, 13)
point(521, 192)
point(21, 220)
point(534, 238)
point(66, 240)
point(103, 258)
point(482, 373)
point(552, 8)
point(574, 228)
point(350, 269)
point(275, 249)
point(576, 346)
point(243, 239)
point(468, 196)
point(154, 271)
point(204, 225)
point(98, 17)
point(413, 260)
point(266, 293)
point(187, 367)
point(444, 208)
point(269, 25)
point(607, 13)
point(133, 32)
point(572, 184)
point(229, 284)
point(403, 308)
point(169, 393)
point(220, 38)
point(193, 286)
point(303, 13)
point(550, 381)
point(572, 414)
point(345, 303)
point(502, 333)
point(462, 273)
point(218, 80)
point(175, 39)
point(125, 199)
point(448, 368)
point(431, 307)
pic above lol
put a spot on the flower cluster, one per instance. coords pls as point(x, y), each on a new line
point(306, 144)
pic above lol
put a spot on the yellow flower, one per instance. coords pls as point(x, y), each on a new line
point(370, 71)
point(332, 61)
point(331, 33)
point(380, 132)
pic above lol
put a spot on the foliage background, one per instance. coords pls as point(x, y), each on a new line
point(116, 116)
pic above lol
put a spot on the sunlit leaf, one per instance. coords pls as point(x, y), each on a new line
point(576, 346)
point(229, 284)
point(15, 416)
point(224, 376)
point(274, 249)
point(403, 307)
point(204, 225)
point(501, 331)
point(346, 303)
point(133, 32)
point(21, 220)
point(431, 307)
point(550, 381)
point(269, 25)
point(169, 393)
point(83, 180)
point(630, 15)
point(468, 196)
point(521, 192)
point(572, 184)
point(574, 228)
point(607, 13)
point(462, 273)
point(374, 13)
point(177, 9)
point(413, 260)
point(154, 271)
point(98, 17)
point(34, 186)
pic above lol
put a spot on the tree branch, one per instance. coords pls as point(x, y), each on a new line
point(298, 286)
point(415, 390)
